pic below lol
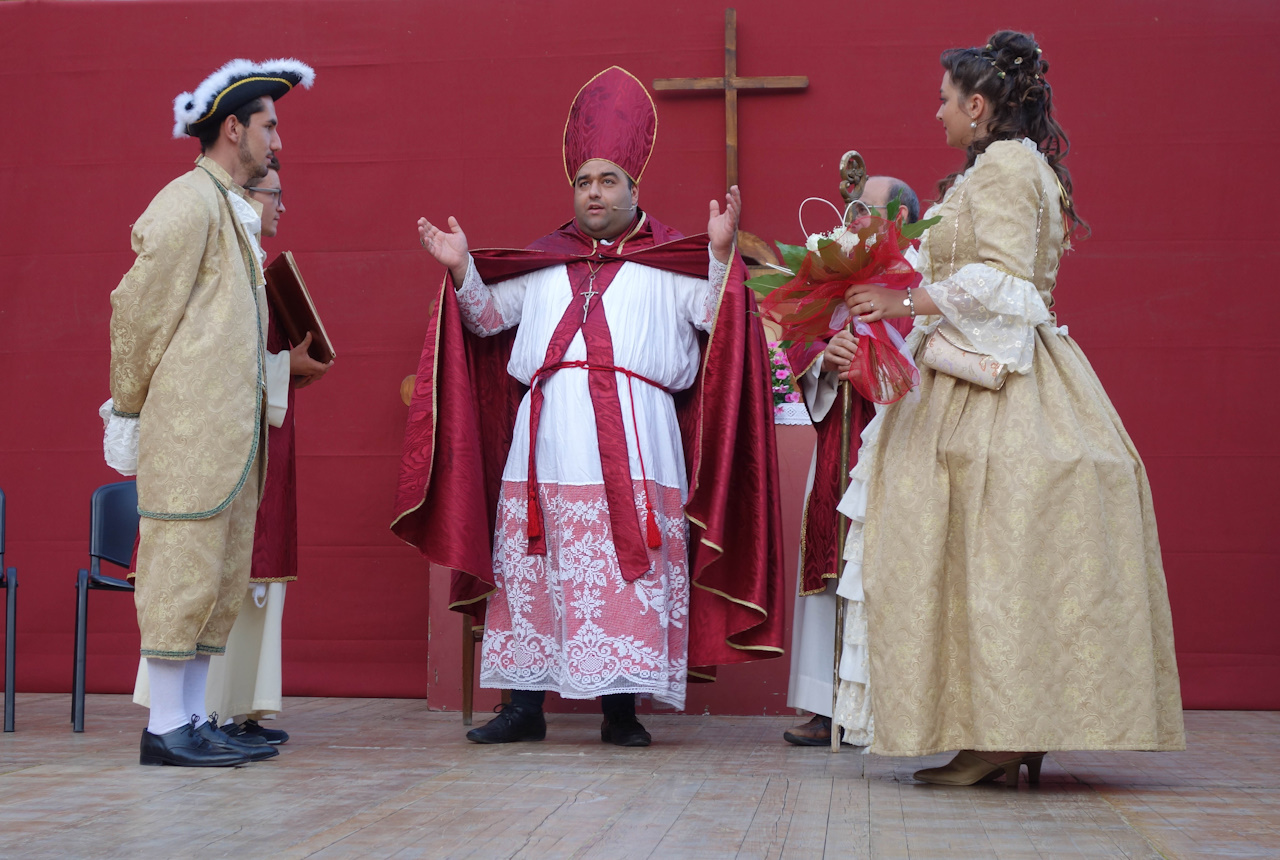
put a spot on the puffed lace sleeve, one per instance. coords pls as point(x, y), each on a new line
point(701, 299)
point(994, 302)
point(488, 309)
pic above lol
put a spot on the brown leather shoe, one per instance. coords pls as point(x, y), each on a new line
point(815, 733)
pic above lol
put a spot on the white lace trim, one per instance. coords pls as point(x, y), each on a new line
point(853, 702)
point(119, 440)
point(715, 277)
point(791, 413)
point(480, 313)
point(567, 621)
point(997, 312)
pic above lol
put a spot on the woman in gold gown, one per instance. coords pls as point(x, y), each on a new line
point(1006, 592)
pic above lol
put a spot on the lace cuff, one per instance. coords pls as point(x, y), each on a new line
point(480, 312)
point(119, 439)
point(996, 311)
point(716, 272)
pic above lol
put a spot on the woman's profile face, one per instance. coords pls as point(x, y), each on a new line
point(952, 114)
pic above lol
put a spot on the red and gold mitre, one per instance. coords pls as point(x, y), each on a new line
point(612, 118)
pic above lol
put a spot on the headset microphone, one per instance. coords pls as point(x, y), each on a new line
point(625, 208)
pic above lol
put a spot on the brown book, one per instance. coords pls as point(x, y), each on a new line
point(291, 304)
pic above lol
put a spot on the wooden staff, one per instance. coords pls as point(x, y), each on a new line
point(842, 530)
point(853, 181)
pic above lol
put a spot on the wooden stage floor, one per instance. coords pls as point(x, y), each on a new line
point(387, 778)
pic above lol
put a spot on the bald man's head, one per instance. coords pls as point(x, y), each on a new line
point(882, 189)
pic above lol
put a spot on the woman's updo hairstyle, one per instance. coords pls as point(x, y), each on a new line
point(1010, 73)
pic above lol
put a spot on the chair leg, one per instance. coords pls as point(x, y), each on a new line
point(78, 668)
point(468, 667)
point(10, 644)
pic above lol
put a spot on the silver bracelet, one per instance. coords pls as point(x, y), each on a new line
point(909, 302)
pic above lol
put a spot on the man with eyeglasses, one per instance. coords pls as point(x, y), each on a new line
point(245, 685)
point(814, 619)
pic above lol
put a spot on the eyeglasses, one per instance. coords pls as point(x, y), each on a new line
point(276, 193)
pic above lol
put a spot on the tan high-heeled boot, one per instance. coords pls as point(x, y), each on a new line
point(970, 768)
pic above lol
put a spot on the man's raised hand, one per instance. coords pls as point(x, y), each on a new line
point(722, 228)
point(449, 249)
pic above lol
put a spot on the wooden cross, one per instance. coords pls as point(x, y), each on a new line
point(731, 83)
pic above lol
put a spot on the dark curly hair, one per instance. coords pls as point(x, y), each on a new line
point(1010, 74)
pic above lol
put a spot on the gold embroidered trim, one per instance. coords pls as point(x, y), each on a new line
point(435, 373)
point(1002, 269)
point(484, 596)
point(214, 107)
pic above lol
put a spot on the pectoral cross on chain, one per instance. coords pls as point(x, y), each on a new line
point(590, 292)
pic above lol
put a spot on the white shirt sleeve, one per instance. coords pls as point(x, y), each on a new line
point(277, 387)
point(819, 390)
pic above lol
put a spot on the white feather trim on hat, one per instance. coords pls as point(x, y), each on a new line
point(189, 107)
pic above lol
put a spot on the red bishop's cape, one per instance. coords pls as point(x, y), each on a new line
point(462, 416)
point(819, 527)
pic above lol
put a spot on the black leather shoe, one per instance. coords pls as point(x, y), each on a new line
point(250, 750)
point(182, 747)
point(231, 730)
point(512, 724)
point(626, 732)
point(250, 729)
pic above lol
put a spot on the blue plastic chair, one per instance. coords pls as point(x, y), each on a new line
point(113, 527)
point(9, 582)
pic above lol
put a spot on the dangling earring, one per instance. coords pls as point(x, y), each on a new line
point(973, 125)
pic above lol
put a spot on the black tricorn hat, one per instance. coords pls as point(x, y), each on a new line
point(233, 86)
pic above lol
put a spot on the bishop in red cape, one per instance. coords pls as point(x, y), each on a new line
point(590, 444)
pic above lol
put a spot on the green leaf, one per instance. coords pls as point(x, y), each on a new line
point(765, 284)
point(792, 255)
point(786, 344)
point(891, 211)
point(916, 230)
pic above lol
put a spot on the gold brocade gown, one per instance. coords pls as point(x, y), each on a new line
point(1005, 541)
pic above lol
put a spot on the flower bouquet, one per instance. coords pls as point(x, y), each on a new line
point(806, 297)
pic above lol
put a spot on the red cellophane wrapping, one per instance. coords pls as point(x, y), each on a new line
point(810, 307)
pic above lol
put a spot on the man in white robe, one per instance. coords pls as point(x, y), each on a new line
point(576, 610)
point(814, 621)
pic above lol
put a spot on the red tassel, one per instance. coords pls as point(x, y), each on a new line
point(537, 540)
point(655, 536)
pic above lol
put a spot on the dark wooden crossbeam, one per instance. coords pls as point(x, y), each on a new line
point(731, 83)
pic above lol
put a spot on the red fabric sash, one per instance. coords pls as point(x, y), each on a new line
point(615, 464)
point(819, 528)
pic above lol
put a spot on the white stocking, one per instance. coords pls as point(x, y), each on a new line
point(168, 710)
point(193, 684)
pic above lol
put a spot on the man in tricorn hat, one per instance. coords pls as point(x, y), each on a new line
point(621, 517)
point(189, 365)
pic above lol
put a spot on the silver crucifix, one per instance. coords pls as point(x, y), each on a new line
point(587, 296)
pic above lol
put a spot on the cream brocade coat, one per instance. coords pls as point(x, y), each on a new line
point(187, 349)
point(1005, 541)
